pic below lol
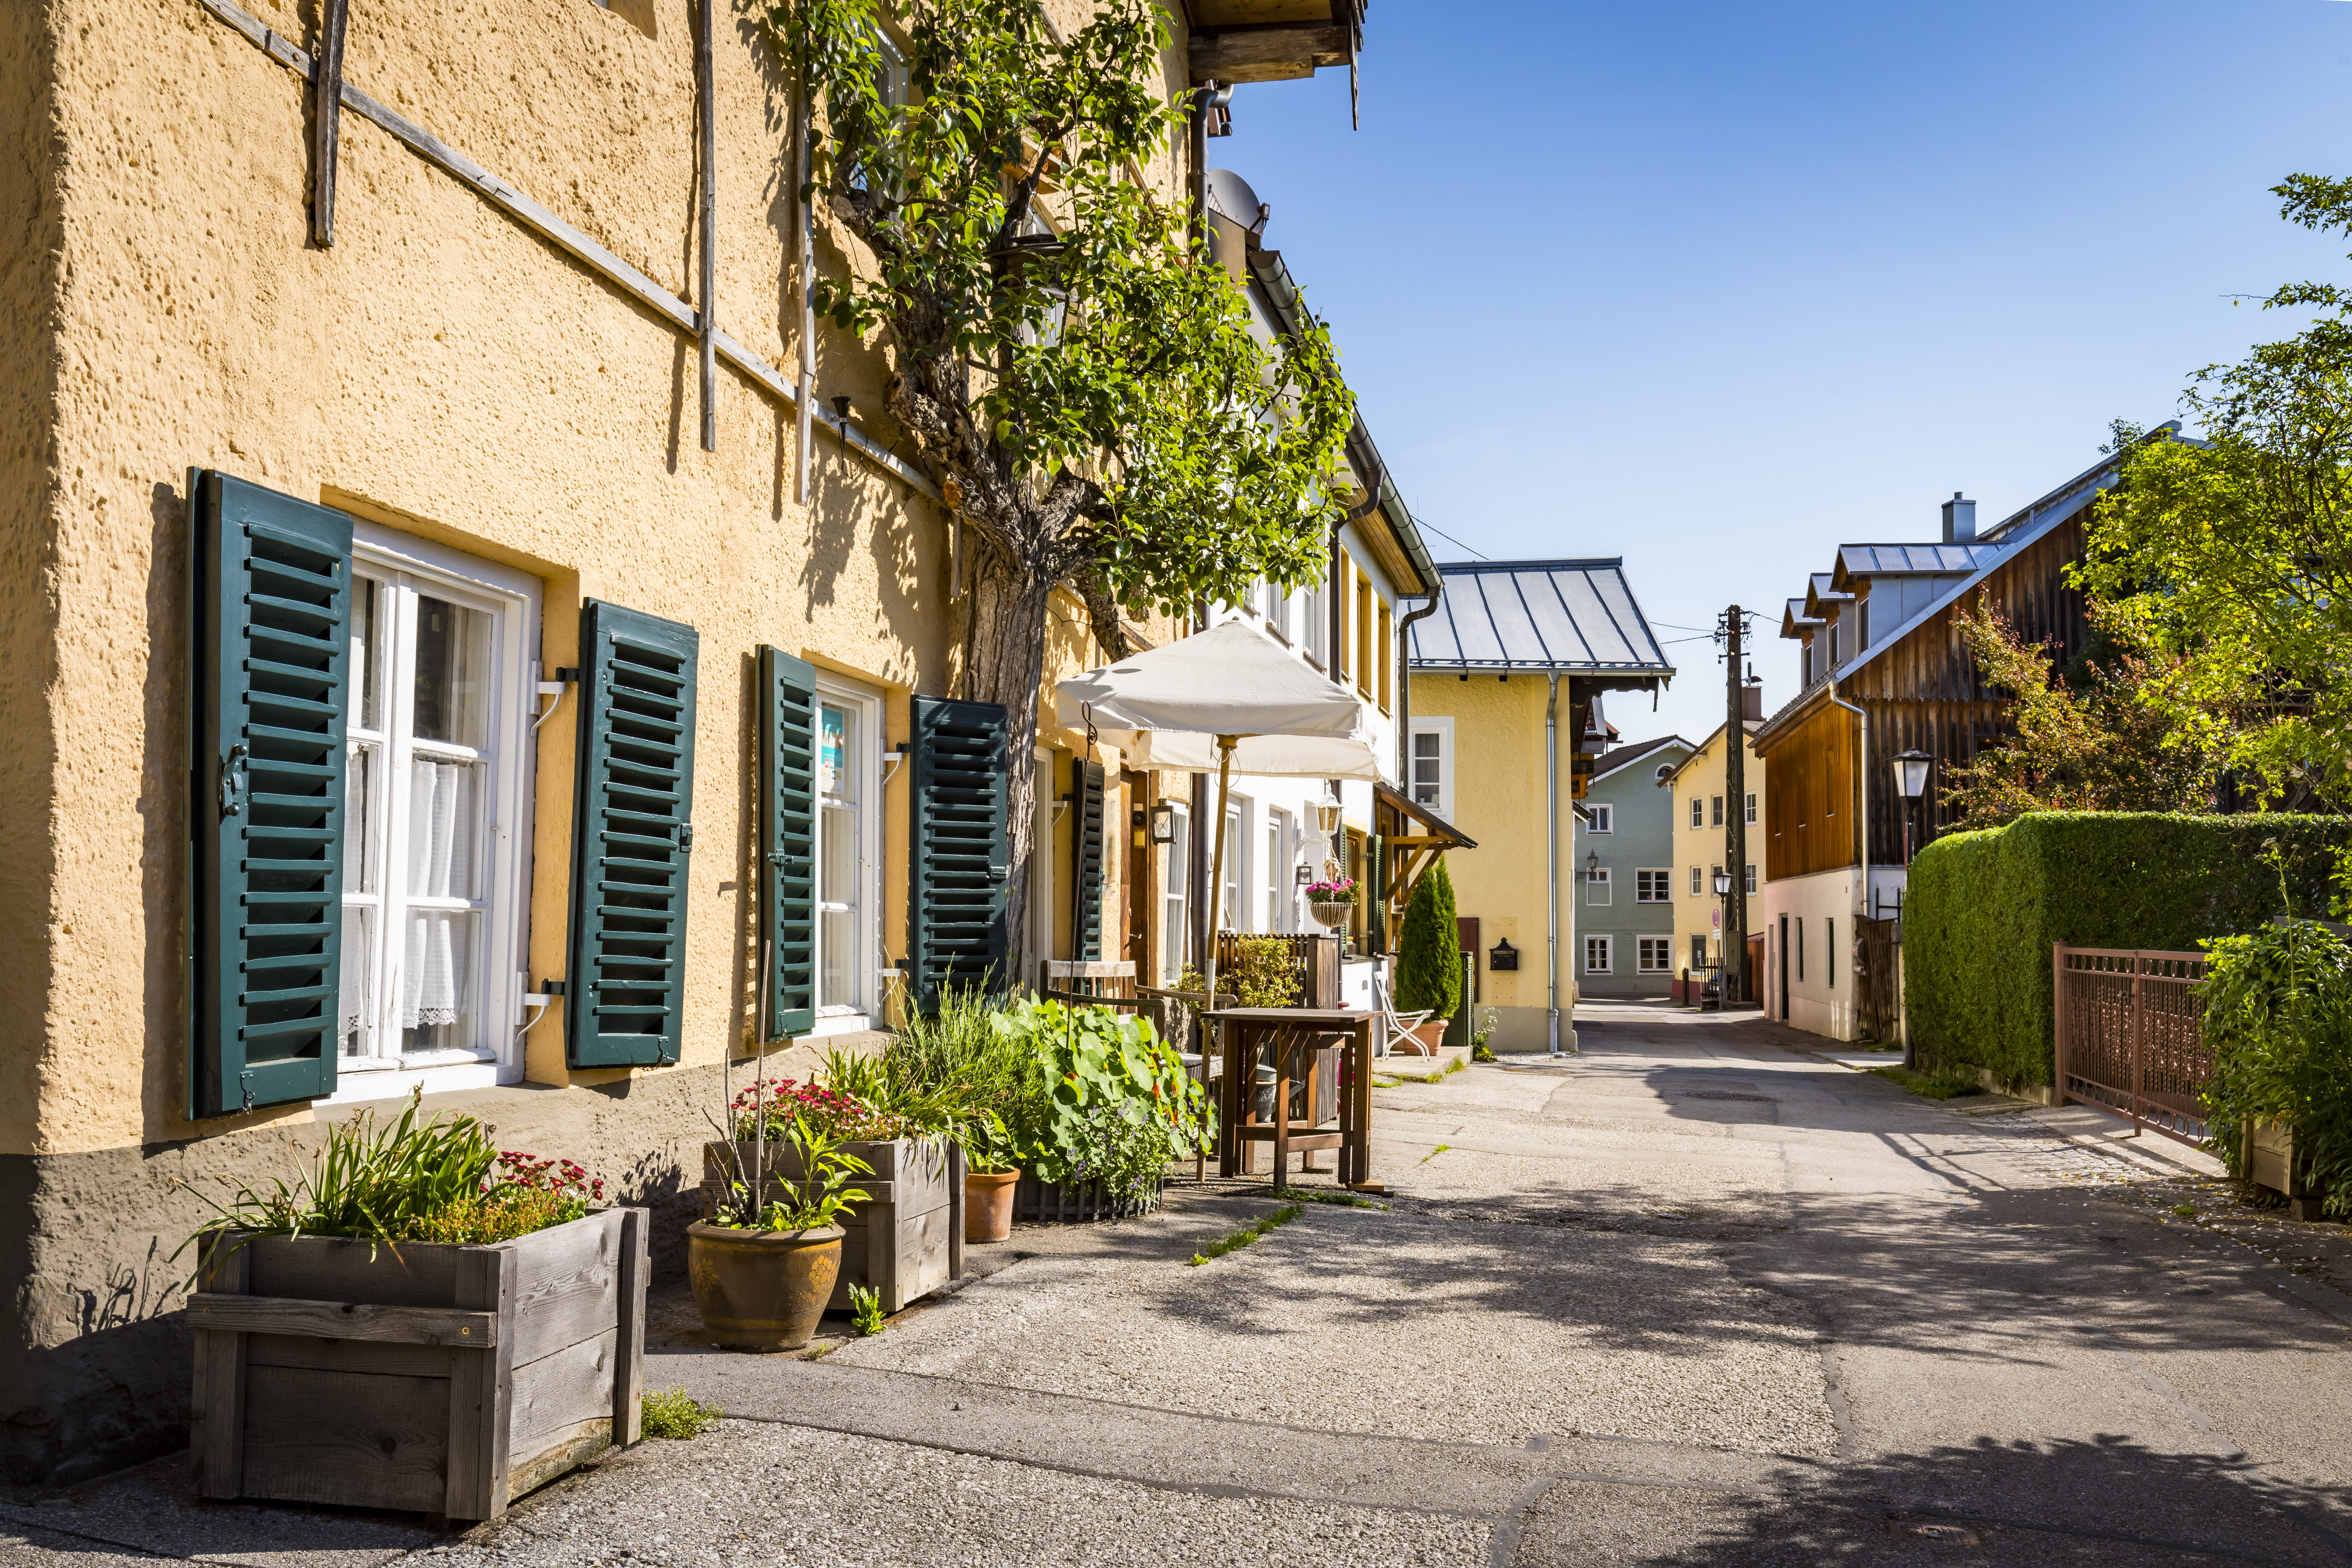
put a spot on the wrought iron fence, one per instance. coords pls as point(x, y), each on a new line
point(2131, 1026)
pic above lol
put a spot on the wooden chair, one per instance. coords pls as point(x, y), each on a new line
point(1392, 1030)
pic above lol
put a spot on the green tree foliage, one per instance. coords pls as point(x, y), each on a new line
point(2088, 744)
point(2234, 550)
point(1084, 383)
point(2278, 1016)
point(1428, 960)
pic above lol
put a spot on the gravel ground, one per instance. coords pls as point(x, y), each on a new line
point(749, 1492)
point(1397, 1324)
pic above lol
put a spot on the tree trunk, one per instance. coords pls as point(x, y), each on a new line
point(1008, 610)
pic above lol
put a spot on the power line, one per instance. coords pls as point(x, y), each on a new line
point(1449, 538)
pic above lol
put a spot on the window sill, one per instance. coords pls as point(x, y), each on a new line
point(382, 1079)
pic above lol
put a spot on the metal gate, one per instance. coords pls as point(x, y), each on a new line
point(2130, 1027)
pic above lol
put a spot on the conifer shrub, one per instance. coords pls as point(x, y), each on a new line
point(1429, 958)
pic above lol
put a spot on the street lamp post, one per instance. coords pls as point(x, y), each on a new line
point(1911, 780)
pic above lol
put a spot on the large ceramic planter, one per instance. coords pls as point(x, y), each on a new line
point(904, 1241)
point(435, 1378)
point(762, 1289)
point(988, 1205)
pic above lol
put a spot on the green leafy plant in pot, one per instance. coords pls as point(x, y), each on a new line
point(765, 1264)
point(991, 1171)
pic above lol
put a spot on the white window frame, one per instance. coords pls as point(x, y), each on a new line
point(1598, 891)
point(1604, 817)
point(1281, 912)
point(1234, 900)
point(1750, 808)
point(1698, 811)
point(1747, 882)
point(1175, 891)
point(1715, 811)
point(1442, 728)
point(865, 766)
point(1314, 627)
point(1661, 878)
point(1699, 883)
point(502, 933)
point(1699, 950)
point(1663, 947)
point(1605, 943)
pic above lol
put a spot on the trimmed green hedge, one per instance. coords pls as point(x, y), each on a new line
point(1983, 908)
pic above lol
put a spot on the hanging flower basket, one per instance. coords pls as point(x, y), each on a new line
point(1332, 915)
point(1332, 903)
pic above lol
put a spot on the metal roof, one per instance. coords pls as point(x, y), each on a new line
point(1557, 616)
point(1797, 615)
point(1912, 559)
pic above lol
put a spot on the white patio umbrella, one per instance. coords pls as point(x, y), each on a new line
point(1230, 697)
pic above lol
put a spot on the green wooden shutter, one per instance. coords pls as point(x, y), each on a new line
point(632, 834)
point(958, 850)
point(788, 714)
point(1087, 832)
point(1376, 930)
point(269, 676)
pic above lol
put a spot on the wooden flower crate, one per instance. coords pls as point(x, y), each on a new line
point(2273, 1161)
point(906, 1241)
point(442, 1379)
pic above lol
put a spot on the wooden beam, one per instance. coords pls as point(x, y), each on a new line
point(705, 103)
point(1267, 54)
point(226, 1313)
point(327, 119)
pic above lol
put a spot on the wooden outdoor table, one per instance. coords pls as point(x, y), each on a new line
point(1292, 1032)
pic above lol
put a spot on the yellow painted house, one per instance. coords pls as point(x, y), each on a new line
point(476, 636)
point(1703, 812)
point(1505, 672)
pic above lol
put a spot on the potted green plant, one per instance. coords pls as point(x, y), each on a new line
point(991, 1170)
point(765, 1264)
point(1332, 903)
point(419, 1321)
point(900, 1242)
point(1106, 1104)
point(1429, 958)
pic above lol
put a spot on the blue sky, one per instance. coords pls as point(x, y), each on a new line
point(1715, 287)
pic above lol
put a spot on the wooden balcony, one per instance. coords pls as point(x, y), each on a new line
point(1272, 40)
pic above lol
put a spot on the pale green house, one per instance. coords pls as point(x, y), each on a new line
point(1624, 859)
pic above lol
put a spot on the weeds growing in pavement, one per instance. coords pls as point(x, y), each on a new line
point(866, 1309)
point(1434, 1154)
point(1930, 1086)
point(1327, 1196)
point(1248, 1232)
point(674, 1413)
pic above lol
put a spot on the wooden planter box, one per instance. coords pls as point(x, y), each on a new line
point(2271, 1161)
point(905, 1242)
point(441, 1379)
point(1052, 1203)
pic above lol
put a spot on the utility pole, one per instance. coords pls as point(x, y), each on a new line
point(1735, 824)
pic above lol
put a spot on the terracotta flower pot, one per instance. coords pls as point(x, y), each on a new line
point(988, 1205)
point(1430, 1037)
point(762, 1289)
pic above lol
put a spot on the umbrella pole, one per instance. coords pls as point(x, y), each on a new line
point(1225, 744)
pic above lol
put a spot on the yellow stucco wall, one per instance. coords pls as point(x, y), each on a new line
point(1703, 776)
point(1497, 782)
point(440, 370)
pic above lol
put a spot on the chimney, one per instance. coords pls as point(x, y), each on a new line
point(1959, 520)
point(1751, 703)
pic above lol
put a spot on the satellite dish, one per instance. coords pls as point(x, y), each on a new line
point(1230, 196)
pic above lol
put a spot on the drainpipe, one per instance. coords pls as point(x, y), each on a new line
point(1404, 686)
point(1551, 856)
point(1862, 808)
point(1203, 100)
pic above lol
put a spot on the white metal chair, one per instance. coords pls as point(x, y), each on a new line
point(1393, 1030)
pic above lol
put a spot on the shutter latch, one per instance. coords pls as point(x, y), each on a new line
point(686, 836)
point(244, 1075)
point(233, 779)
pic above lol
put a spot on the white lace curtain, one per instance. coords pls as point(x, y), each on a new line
point(440, 866)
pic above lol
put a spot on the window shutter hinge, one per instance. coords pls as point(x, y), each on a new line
point(686, 836)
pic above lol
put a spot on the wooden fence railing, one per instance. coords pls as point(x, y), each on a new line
point(2130, 1027)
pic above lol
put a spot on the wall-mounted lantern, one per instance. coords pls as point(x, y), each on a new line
point(1164, 823)
point(1302, 874)
point(1503, 957)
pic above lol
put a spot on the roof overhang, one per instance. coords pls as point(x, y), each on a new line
point(1404, 805)
point(1272, 40)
